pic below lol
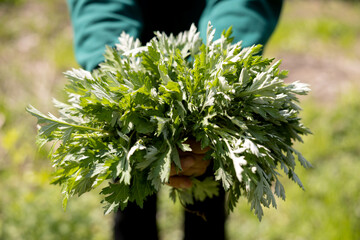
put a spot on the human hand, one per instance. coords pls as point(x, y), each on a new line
point(192, 164)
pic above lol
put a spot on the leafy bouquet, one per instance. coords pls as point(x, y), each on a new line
point(125, 122)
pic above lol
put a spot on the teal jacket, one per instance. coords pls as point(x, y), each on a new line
point(97, 23)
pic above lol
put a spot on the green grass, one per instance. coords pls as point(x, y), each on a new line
point(34, 53)
point(317, 28)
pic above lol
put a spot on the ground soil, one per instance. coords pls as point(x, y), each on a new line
point(328, 76)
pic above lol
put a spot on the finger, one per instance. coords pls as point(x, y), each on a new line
point(197, 168)
point(186, 163)
point(200, 161)
point(180, 182)
point(195, 171)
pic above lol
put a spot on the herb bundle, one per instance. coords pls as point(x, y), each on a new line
point(125, 121)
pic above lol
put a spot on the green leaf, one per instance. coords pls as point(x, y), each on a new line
point(225, 177)
point(140, 189)
point(51, 122)
point(116, 195)
point(160, 170)
point(206, 188)
point(127, 120)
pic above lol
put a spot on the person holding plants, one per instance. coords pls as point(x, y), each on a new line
point(99, 23)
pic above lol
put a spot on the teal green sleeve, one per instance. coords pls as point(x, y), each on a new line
point(253, 21)
point(99, 23)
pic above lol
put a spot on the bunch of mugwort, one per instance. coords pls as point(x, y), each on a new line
point(125, 122)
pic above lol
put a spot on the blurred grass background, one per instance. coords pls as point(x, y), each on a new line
point(319, 42)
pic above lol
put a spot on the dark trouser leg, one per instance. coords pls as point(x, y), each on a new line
point(135, 223)
point(214, 226)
